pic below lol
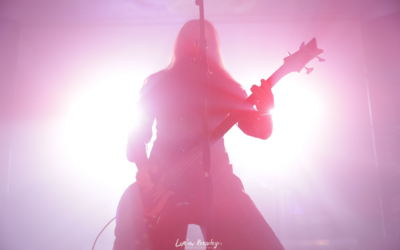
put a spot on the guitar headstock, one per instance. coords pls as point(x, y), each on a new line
point(295, 62)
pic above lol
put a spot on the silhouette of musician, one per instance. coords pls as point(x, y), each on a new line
point(174, 99)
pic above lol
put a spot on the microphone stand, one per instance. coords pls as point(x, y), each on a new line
point(203, 77)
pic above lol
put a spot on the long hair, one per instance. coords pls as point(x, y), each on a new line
point(185, 48)
point(185, 45)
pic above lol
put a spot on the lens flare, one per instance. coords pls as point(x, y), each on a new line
point(97, 125)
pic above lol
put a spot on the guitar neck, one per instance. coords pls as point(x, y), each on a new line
point(277, 75)
point(235, 116)
point(220, 131)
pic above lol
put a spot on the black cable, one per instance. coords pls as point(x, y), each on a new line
point(102, 232)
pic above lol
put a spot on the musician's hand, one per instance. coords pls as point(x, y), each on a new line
point(264, 96)
point(143, 177)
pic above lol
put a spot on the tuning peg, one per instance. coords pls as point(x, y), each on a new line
point(289, 54)
point(302, 45)
point(309, 70)
point(320, 59)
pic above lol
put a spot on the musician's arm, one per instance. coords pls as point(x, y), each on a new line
point(136, 151)
point(142, 133)
point(259, 123)
point(256, 125)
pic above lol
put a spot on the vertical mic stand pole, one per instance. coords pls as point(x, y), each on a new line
point(203, 75)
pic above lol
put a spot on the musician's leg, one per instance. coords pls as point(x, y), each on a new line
point(238, 224)
point(171, 229)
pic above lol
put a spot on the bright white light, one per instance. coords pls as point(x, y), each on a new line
point(297, 114)
point(296, 117)
point(97, 125)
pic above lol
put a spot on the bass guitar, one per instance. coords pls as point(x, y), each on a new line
point(145, 212)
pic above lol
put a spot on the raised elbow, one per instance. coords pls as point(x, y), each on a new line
point(266, 134)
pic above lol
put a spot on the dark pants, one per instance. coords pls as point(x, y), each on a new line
point(237, 223)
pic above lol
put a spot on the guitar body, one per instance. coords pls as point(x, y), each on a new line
point(134, 220)
point(159, 203)
point(139, 213)
point(138, 217)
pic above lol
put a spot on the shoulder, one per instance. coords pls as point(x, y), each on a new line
point(151, 83)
